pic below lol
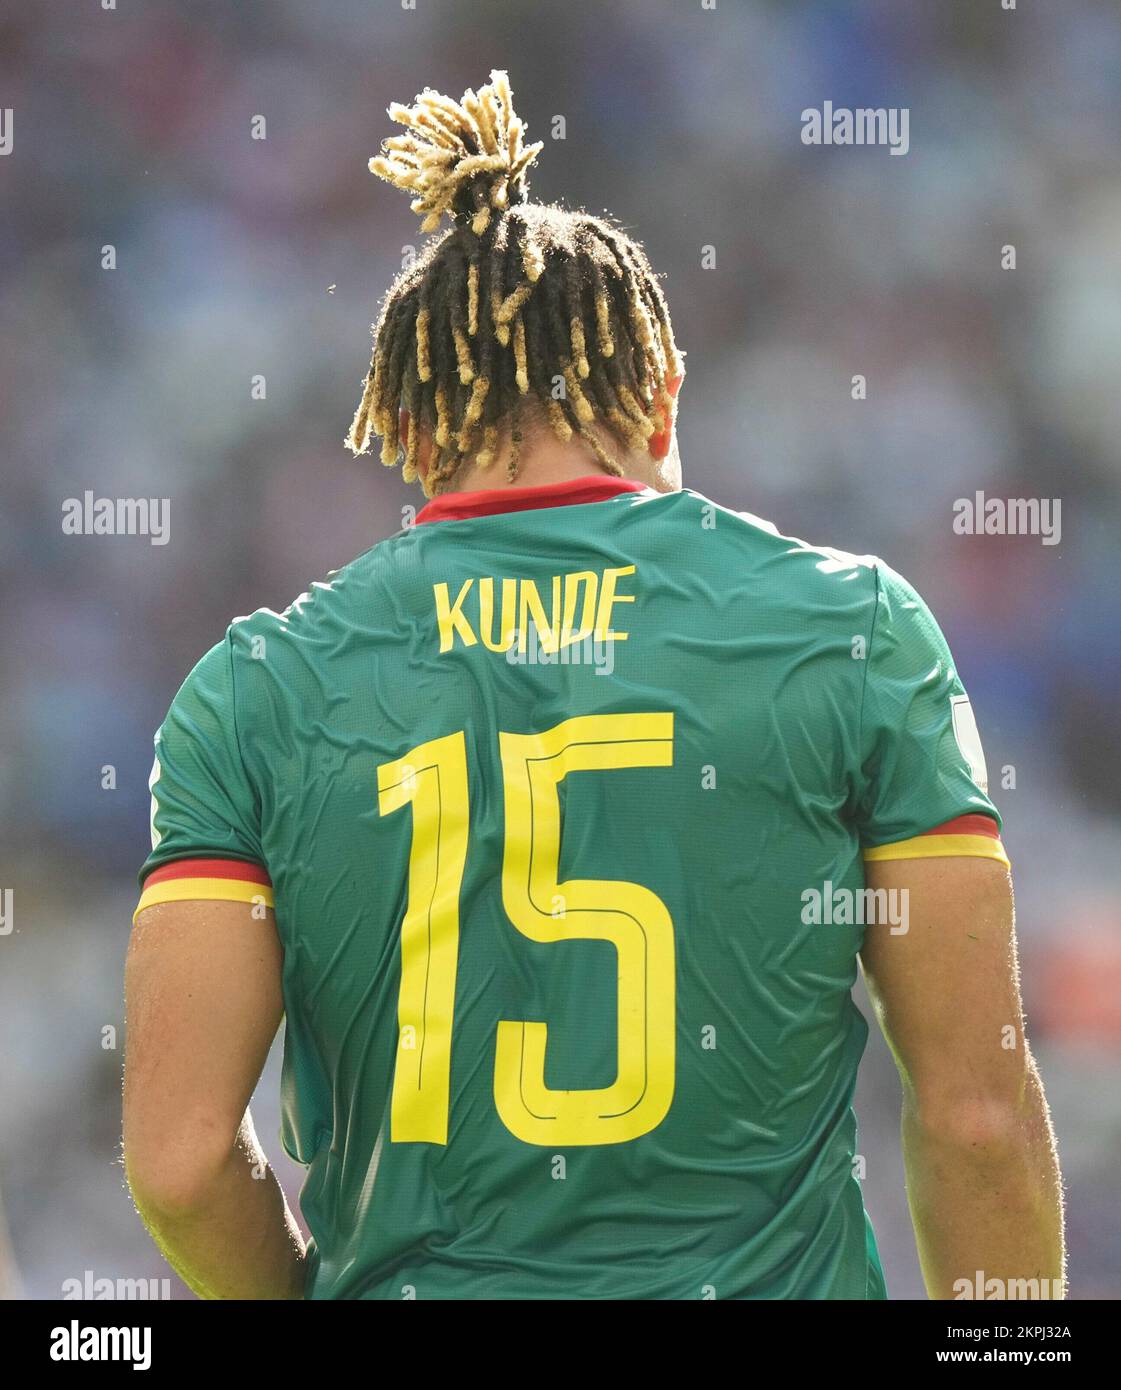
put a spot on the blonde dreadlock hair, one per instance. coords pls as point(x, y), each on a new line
point(513, 298)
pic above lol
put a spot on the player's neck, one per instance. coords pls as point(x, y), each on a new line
point(544, 459)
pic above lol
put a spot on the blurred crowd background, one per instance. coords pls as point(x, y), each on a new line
point(238, 257)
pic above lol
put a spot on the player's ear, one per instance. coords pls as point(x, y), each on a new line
point(660, 440)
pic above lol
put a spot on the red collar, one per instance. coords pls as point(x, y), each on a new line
point(458, 506)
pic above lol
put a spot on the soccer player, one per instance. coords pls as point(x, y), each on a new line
point(554, 827)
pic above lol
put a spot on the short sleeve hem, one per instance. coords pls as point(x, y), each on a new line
point(969, 837)
point(195, 880)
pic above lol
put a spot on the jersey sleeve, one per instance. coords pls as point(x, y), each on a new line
point(923, 785)
point(205, 813)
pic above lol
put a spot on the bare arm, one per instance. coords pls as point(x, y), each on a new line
point(982, 1170)
point(203, 1002)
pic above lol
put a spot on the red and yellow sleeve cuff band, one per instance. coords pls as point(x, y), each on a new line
point(970, 837)
point(188, 880)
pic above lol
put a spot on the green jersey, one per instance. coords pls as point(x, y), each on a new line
point(561, 796)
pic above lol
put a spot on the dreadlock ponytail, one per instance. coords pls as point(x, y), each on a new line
point(516, 304)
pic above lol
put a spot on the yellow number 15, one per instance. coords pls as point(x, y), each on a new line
point(433, 777)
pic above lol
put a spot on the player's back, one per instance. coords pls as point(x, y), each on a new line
point(547, 797)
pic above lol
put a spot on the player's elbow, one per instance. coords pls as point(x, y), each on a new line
point(987, 1122)
point(173, 1176)
point(165, 1194)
